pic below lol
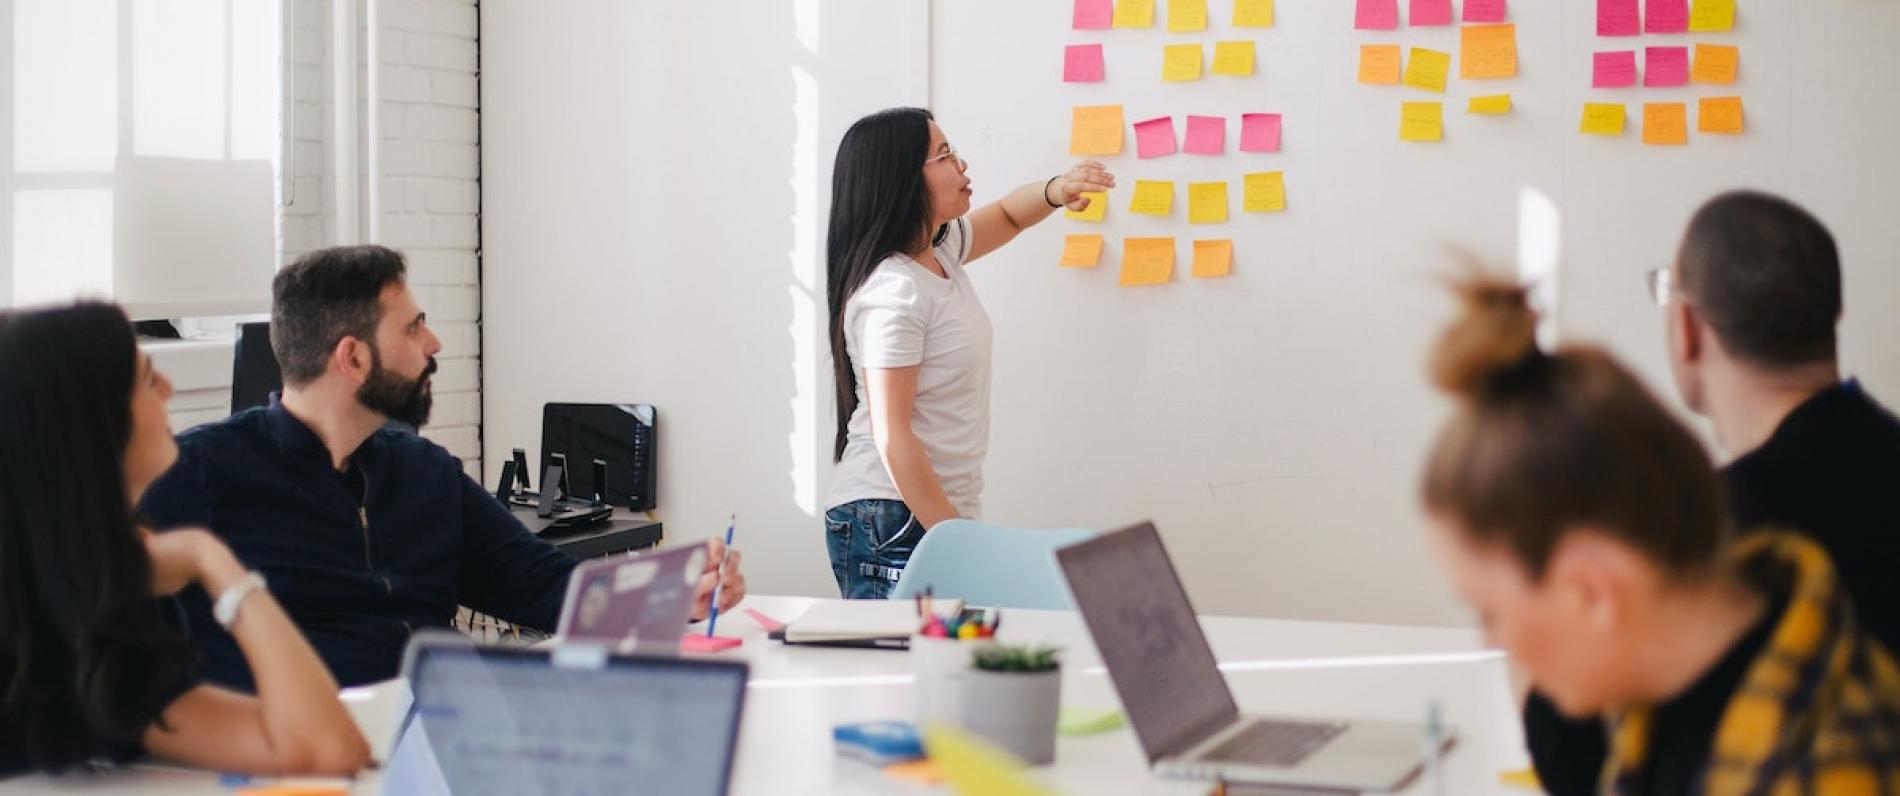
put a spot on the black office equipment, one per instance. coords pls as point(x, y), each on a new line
point(621, 436)
point(254, 371)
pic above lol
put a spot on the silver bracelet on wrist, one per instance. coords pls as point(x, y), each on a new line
point(225, 610)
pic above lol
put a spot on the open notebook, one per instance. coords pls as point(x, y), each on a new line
point(861, 623)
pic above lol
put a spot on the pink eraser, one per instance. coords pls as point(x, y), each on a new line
point(702, 643)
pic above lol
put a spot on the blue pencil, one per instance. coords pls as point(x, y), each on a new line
point(719, 579)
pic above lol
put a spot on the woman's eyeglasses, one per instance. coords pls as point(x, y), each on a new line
point(948, 154)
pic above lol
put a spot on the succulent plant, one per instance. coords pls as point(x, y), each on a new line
point(1017, 660)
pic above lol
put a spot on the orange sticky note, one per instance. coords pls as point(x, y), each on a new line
point(1722, 115)
point(1428, 69)
point(1379, 64)
point(1263, 192)
point(1147, 261)
point(917, 772)
point(1187, 16)
point(1665, 123)
point(1602, 118)
point(1134, 13)
point(1714, 63)
point(1181, 62)
point(1096, 130)
point(1422, 121)
point(1253, 13)
point(1097, 209)
point(1213, 258)
point(1081, 251)
point(1487, 51)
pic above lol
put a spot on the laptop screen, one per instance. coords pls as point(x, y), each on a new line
point(1132, 601)
point(488, 720)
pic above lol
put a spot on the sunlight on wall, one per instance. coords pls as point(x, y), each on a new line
point(1539, 253)
point(807, 292)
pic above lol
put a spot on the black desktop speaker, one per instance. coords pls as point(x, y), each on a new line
point(621, 437)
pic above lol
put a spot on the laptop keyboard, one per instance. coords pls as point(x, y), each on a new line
point(1274, 743)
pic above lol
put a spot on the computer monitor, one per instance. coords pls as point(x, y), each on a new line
point(621, 435)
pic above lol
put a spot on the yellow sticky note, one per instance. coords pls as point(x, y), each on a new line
point(1147, 261)
point(1665, 123)
point(1097, 209)
point(1213, 258)
point(1233, 58)
point(1207, 202)
point(1428, 69)
point(1152, 198)
point(973, 766)
point(1187, 16)
point(1096, 130)
point(1490, 105)
point(1253, 13)
point(1706, 16)
point(1714, 63)
point(1487, 51)
point(1422, 121)
point(1081, 251)
point(1720, 115)
point(1602, 118)
point(1134, 13)
point(1264, 192)
point(1379, 63)
point(1522, 779)
point(1181, 62)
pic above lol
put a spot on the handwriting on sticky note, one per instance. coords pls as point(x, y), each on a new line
point(1082, 63)
point(1181, 62)
point(1213, 258)
point(1096, 210)
point(1487, 51)
point(1187, 16)
point(1665, 66)
point(1602, 118)
point(1618, 18)
point(1152, 198)
point(1134, 13)
point(1665, 123)
point(1427, 69)
point(1147, 261)
point(1094, 14)
point(1492, 105)
point(1206, 135)
point(1666, 16)
point(1253, 13)
point(1422, 121)
point(1233, 58)
point(1376, 15)
point(1711, 16)
point(1263, 192)
point(1613, 69)
point(1427, 13)
point(1485, 10)
point(1081, 251)
point(1096, 130)
point(1207, 202)
point(1154, 137)
point(1379, 64)
point(1721, 115)
point(1715, 63)
point(1260, 132)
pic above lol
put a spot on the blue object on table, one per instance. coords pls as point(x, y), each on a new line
point(879, 743)
point(990, 566)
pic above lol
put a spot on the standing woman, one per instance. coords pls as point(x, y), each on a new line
point(910, 342)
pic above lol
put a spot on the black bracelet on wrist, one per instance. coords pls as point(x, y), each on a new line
point(1045, 190)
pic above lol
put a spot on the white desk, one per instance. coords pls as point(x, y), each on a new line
point(1273, 666)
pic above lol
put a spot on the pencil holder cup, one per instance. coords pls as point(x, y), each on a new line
point(940, 667)
point(1016, 711)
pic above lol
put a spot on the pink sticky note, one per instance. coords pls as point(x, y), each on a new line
point(1667, 16)
point(1206, 135)
point(702, 643)
point(1376, 15)
point(1618, 18)
point(1155, 137)
point(1094, 14)
point(1665, 66)
point(1260, 132)
point(1430, 12)
point(771, 625)
point(1082, 63)
point(1614, 69)
point(1484, 10)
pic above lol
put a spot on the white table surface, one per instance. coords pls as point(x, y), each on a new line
point(797, 694)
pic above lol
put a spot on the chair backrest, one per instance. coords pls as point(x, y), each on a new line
point(254, 371)
point(989, 566)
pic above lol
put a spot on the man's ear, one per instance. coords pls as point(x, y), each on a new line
point(1691, 345)
point(353, 359)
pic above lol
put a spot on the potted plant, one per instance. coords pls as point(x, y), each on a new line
point(1012, 697)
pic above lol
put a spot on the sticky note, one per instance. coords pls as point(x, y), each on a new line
point(1206, 135)
point(1710, 16)
point(1081, 251)
point(1487, 51)
point(1213, 258)
point(1094, 14)
point(702, 644)
point(1428, 69)
point(1665, 66)
point(1081, 722)
point(973, 766)
point(1666, 16)
point(1096, 130)
point(1181, 62)
point(1613, 69)
point(1600, 118)
point(1146, 261)
point(1376, 15)
point(1714, 63)
point(1152, 198)
point(1426, 13)
point(1379, 64)
point(1233, 58)
point(1207, 202)
point(1253, 13)
point(1263, 192)
point(1096, 210)
point(1721, 115)
point(1665, 123)
point(1484, 10)
point(1155, 137)
point(1618, 18)
point(1082, 63)
point(1187, 16)
point(1134, 13)
point(1260, 132)
point(295, 790)
point(1492, 105)
point(916, 772)
point(1422, 121)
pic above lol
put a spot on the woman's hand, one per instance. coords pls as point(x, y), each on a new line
point(186, 556)
point(1087, 176)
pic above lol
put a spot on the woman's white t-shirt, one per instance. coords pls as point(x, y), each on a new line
point(904, 315)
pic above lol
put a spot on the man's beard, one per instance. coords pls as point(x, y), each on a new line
point(402, 400)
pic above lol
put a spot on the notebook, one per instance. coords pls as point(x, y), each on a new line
point(861, 623)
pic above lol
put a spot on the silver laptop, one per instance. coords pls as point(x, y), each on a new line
point(1171, 688)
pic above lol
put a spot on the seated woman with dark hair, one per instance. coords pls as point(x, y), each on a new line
point(93, 664)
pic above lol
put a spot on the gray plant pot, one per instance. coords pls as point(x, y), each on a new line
point(1016, 712)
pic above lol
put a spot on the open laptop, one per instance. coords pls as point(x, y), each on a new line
point(633, 604)
point(1171, 688)
point(566, 720)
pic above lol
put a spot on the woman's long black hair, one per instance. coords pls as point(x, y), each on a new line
point(879, 207)
point(82, 641)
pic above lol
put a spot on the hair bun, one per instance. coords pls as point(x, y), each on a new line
point(1495, 335)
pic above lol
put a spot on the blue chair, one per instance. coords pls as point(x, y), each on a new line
point(990, 566)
